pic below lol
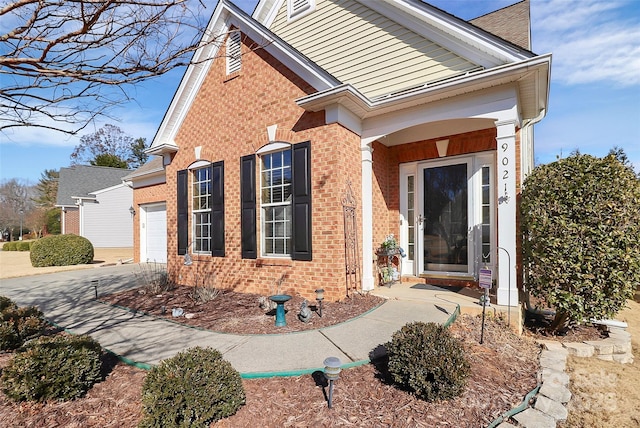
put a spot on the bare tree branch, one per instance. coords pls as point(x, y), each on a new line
point(69, 61)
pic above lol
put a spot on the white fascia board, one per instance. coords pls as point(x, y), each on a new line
point(302, 66)
point(269, 10)
point(107, 189)
point(149, 180)
point(347, 96)
point(452, 33)
point(190, 84)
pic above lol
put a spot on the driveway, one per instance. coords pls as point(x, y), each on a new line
point(17, 263)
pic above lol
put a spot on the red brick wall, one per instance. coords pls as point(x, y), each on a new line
point(72, 221)
point(229, 119)
point(141, 196)
point(386, 170)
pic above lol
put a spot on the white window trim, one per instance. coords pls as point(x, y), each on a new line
point(271, 148)
point(192, 168)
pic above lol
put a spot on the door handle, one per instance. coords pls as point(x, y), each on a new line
point(419, 220)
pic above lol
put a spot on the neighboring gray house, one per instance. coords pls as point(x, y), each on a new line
point(97, 204)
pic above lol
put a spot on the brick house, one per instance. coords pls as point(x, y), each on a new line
point(423, 119)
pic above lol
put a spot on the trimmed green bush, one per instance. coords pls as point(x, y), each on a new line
point(53, 368)
point(425, 359)
point(18, 325)
point(581, 228)
point(10, 246)
point(23, 246)
point(61, 250)
point(192, 389)
point(6, 302)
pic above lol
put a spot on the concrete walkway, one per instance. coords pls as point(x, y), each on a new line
point(67, 300)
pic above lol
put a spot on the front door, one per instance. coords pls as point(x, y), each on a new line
point(447, 216)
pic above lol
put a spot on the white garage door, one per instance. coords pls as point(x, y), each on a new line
point(154, 234)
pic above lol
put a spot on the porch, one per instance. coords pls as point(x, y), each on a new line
point(414, 289)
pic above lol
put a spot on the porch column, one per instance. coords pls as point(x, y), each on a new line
point(368, 282)
point(507, 292)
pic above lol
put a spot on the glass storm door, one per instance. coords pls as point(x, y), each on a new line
point(445, 218)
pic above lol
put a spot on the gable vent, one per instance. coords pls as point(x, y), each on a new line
point(234, 54)
point(298, 8)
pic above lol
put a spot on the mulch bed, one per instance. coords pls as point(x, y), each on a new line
point(240, 313)
point(503, 370)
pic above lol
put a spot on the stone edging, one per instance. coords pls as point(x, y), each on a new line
point(549, 405)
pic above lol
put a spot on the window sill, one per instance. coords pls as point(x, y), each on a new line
point(231, 76)
point(274, 262)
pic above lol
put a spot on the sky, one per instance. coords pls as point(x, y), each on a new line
point(594, 101)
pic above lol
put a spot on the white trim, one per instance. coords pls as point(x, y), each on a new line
point(366, 152)
point(305, 7)
point(198, 164)
point(507, 292)
point(273, 147)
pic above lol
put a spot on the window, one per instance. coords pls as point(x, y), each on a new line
point(283, 196)
point(200, 205)
point(275, 203)
point(486, 214)
point(234, 52)
point(201, 209)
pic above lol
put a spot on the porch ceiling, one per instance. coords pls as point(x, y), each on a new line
point(437, 129)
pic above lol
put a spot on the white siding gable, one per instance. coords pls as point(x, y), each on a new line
point(107, 222)
point(370, 51)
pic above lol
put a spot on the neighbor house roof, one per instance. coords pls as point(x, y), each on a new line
point(79, 181)
point(512, 23)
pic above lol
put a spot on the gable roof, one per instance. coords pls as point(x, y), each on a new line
point(226, 16)
point(80, 181)
point(488, 61)
point(387, 46)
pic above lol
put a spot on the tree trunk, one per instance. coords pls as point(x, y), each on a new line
point(560, 322)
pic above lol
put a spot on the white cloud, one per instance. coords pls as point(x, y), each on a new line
point(591, 40)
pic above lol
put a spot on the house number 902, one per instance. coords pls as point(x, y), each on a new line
point(505, 162)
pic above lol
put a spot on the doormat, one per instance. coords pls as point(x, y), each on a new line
point(451, 288)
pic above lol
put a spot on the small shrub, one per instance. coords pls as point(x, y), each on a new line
point(10, 246)
point(5, 303)
point(193, 389)
point(425, 359)
point(61, 250)
point(17, 325)
point(23, 246)
point(154, 278)
point(53, 368)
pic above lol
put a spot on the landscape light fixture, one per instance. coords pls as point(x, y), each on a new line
point(332, 368)
point(319, 299)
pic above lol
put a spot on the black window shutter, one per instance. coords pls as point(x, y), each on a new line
point(217, 209)
point(301, 169)
point(183, 212)
point(249, 245)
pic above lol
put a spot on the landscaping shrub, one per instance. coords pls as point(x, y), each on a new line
point(425, 359)
point(61, 250)
point(6, 302)
point(10, 246)
point(18, 325)
point(23, 246)
point(57, 367)
point(194, 388)
point(581, 229)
